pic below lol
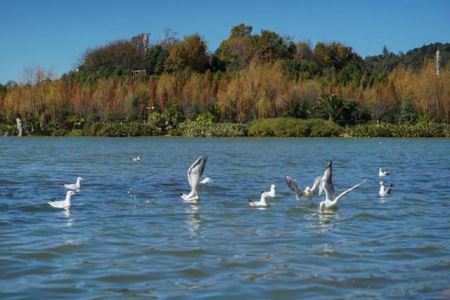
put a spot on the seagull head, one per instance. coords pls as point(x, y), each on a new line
point(70, 193)
point(272, 186)
point(80, 178)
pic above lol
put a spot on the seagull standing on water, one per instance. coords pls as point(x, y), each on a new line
point(66, 203)
point(384, 191)
point(74, 186)
point(308, 193)
point(136, 159)
point(331, 200)
point(383, 173)
point(261, 202)
point(194, 174)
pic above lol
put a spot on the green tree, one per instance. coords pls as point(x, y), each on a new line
point(331, 106)
point(269, 46)
point(155, 59)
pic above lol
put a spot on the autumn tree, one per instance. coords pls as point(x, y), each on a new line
point(237, 50)
point(189, 53)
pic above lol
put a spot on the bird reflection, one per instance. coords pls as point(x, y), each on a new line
point(67, 214)
point(194, 220)
point(326, 220)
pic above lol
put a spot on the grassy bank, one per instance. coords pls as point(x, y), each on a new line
point(271, 127)
point(428, 129)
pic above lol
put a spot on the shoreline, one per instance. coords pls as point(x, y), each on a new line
point(275, 127)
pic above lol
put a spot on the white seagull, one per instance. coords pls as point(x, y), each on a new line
point(136, 159)
point(383, 173)
point(74, 186)
point(194, 174)
point(262, 201)
point(331, 200)
point(384, 191)
point(66, 203)
point(272, 193)
point(309, 192)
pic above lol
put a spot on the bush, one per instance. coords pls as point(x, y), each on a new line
point(8, 130)
point(121, 129)
point(428, 129)
point(201, 129)
point(291, 127)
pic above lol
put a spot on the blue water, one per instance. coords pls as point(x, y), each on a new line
point(129, 235)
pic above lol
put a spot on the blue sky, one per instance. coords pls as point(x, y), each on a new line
point(54, 34)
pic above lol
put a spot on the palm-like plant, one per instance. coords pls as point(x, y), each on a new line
point(330, 105)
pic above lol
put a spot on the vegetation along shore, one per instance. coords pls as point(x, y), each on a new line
point(254, 84)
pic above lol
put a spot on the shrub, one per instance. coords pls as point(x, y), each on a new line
point(428, 129)
point(121, 129)
point(291, 127)
point(199, 129)
point(8, 130)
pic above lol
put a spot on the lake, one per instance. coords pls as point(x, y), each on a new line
point(129, 234)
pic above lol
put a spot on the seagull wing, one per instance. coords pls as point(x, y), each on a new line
point(195, 171)
point(293, 185)
point(316, 186)
point(327, 182)
point(349, 190)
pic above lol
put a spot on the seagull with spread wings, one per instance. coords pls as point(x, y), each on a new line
point(194, 174)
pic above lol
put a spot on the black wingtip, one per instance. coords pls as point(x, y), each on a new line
point(330, 163)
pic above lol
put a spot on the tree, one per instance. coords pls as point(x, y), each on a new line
point(188, 54)
point(237, 50)
point(155, 59)
point(269, 46)
point(330, 105)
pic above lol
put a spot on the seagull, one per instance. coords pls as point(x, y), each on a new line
point(384, 191)
point(309, 192)
point(331, 200)
point(74, 186)
point(382, 173)
point(66, 203)
point(136, 159)
point(272, 193)
point(194, 173)
point(262, 201)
